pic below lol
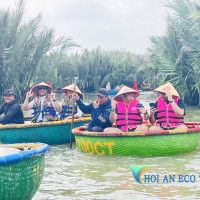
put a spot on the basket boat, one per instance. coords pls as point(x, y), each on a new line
point(21, 171)
point(140, 143)
point(57, 132)
point(112, 92)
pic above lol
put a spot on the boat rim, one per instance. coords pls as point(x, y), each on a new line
point(51, 123)
point(191, 129)
point(34, 149)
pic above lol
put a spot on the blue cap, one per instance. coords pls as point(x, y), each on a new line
point(102, 92)
point(9, 92)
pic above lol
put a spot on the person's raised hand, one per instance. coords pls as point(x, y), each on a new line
point(169, 95)
point(53, 96)
point(152, 110)
point(142, 110)
point(29, 94)
point(64, 95)
point(96, 104)
point(113, 103)
point(75, 96)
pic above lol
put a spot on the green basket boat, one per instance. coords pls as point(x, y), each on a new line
point(21, 171)
point(57, 132)
point(140, 143)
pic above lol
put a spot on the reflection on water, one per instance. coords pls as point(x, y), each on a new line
point(71, 174)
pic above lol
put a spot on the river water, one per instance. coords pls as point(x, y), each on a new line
point(71, 174)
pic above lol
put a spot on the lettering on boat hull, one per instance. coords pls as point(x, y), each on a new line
point(99, 148)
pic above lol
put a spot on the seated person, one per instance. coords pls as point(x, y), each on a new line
point(66, 112)
point(168, 111)
point(45, 104)
point(11, 109)
point(127, 112)
point(98, 110)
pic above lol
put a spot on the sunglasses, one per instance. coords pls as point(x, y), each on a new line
point(128, 94)
point(42, 88)
point(131, 94)
point(163, 94)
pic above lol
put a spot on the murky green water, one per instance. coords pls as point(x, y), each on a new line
point(71, 174)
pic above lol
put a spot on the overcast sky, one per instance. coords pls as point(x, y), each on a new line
point(110, 24)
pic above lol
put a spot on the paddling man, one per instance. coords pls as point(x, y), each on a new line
point(127, 112)
point(11, 109)
point(99, 111)
point(169, 110)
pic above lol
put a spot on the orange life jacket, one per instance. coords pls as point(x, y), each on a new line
point(166, 115)
point(128, 118)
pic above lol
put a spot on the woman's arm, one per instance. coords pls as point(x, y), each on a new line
point(27, 106)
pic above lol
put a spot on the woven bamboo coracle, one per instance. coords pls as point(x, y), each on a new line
point(141, 143)
point(21, 171)
point(57, 132)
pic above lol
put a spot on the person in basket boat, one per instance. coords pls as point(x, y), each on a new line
point(68, 96)
point(44, 104)
point(11, 108)
point(168, 111)
point(127, 112)
point(99, 111)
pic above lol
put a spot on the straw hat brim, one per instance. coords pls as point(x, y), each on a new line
point(167, 87)
point(34, 89)
point(71, 88)
point(125, 90)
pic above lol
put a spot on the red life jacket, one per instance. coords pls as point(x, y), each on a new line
point(128, 118)
point(166, 115)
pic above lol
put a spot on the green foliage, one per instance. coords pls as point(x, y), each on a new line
point(96, 68)
point(23, 46)
point(29, 54)
point(177, 54)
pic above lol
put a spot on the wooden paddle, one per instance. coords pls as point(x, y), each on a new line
point(73, 105)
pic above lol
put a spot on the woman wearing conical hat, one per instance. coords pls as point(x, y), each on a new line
point(68, 95)
point(45, 104)
point(168, 111)
point(127, 112)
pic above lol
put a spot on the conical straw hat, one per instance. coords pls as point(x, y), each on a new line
point(125, 90)
point(167, 87)
point(35, 88)
point(71, 88)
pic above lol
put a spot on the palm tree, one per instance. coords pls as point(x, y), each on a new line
point(22, 48)
point(177, 52)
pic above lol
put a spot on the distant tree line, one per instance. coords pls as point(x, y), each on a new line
point(29, 54)
point(96, 68)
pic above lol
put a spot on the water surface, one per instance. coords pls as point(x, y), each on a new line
point(71, 174)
